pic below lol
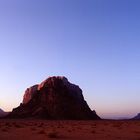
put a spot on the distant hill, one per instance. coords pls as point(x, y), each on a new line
point(137, 117)
point(2, 113)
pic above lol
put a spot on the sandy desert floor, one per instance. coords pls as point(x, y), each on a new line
point(71, 130)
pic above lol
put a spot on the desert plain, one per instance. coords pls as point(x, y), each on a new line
point(22, 129)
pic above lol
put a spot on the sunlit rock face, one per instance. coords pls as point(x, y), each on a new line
point(54, 98)
point(29, 94)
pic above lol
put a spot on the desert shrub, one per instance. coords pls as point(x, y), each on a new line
point(53, 134)
point(4, 130)
point(93, 132)
point(33, 129)
point(41, 132)
point(18, 126)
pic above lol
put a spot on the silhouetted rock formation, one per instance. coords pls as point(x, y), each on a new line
point(54, 98)
point(137, 117)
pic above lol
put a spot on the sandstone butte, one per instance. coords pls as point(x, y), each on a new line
point(54, 99)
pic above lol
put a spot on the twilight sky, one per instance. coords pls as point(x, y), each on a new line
point(94, 43)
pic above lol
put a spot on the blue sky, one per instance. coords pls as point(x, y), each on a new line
point(94, 43)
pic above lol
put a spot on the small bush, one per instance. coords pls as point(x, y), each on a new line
point(4, 130)
point(93, 132)
point(53, 135)
point(42, 132)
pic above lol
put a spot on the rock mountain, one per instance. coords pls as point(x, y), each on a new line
point(54, 98)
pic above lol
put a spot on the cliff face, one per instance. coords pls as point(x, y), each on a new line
point(54, 98)
point(29, 93)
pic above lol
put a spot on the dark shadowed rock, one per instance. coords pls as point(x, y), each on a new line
point(137, 117)
point(54, 98)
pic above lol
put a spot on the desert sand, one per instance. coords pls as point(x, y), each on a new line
point(13, 129)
